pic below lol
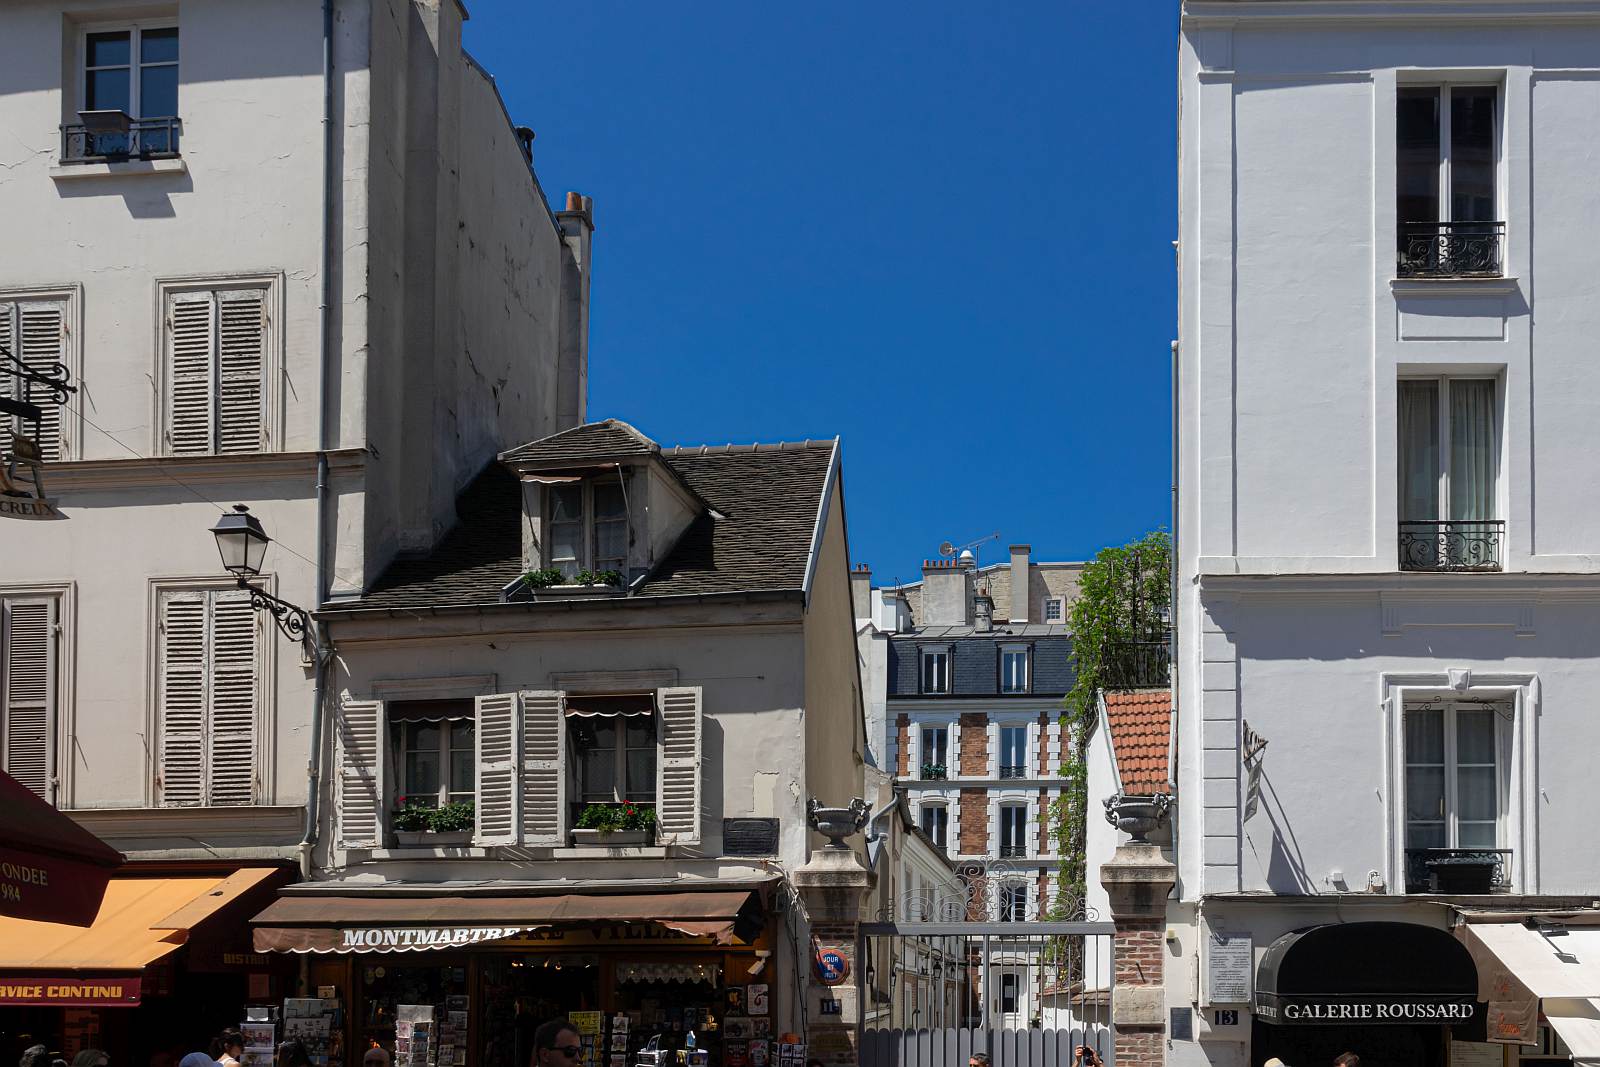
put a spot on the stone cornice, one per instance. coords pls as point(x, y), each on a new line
point(149, 471)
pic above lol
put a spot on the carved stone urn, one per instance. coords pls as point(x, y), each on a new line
point(1137, 816)
point(836, 824)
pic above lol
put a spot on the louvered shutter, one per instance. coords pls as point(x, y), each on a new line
point(544, 770)
point(27, 685)
point(41, 330)
point(241, 351)
point(190, 374)
point(231, 725)
point(678, 765)
point(362, 792)
point(498, 739)
point(182, 693)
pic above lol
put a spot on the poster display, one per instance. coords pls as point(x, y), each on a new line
point(413, 1035)
point(260, 1043)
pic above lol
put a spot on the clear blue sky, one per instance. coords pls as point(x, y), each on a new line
point(940, 231)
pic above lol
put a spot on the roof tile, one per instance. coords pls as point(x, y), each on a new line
point(1140, 721)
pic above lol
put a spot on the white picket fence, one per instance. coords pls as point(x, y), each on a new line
point(951, 1047)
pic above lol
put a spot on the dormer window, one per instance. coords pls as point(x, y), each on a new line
point(588, 527)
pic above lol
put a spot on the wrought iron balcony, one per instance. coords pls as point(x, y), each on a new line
point(1013, 770)
point(1450, 249)
point(1457, 870)
point(934, 772)
point(1135, 664)
point(1013, 852)
point(1452, 545)
point(111, 143)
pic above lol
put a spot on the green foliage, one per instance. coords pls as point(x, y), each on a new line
point(413, 816)
point(1121, 607)
point(543, 578)
point(608, 818)
point(452, 818)
point(609, 577)
point(935, 771)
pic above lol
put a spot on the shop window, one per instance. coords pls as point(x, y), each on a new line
point(433, 747)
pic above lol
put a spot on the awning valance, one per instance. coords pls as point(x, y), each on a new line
point(140, 920)
point(51, 869)
point(591, 706)
point(1368, 973)
point(353, 922)
point(1546, 965)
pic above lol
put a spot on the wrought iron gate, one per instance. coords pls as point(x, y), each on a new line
point(946, 973)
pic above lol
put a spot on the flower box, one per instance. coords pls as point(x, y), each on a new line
point(610, 838)
point(576, 592)
point(430, 839)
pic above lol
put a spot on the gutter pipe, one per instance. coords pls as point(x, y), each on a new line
point(1172, 627)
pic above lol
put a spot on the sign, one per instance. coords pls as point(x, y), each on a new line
point(1230, 959)
point(1366, 1011)
point(19, 498)
point(1476, 1054)
point(832, 967)
point(120, 992)
point(830, 1006)
point(49, 888)
point(1251, 755)
point(1225, 1017)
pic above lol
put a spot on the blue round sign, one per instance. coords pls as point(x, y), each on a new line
point(832, 967)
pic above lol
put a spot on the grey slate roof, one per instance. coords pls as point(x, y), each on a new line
point(767, 495)
point(582, 444)
point(975, 667)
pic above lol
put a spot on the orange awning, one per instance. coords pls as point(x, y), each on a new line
point(140, 921)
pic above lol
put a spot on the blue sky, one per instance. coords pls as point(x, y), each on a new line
point(941, 231)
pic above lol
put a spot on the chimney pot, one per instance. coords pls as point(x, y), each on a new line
point(574, 201)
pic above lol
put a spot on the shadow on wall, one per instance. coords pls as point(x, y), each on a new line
point(1285, 866)
point(146, 196)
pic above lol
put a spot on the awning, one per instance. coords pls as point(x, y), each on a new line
point(620, 706)
point(140, 920)
point(1555, 964)
point(323, 922)
point(1366, 974)
point(51, 869)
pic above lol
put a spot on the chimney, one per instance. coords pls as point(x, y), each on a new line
point(983, 612)
point(1019, 582)
point(946, 593)
point(572, 369)
point(861, 591)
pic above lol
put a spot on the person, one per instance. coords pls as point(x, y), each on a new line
point(977, 1059)
point(34, 1056)
point(91, 1057)
point(226, 1048)
point(197, 1059)
point(292, 1053)
point(377, 1056)
point(1347, 1059)
point(1086, 1056)
point(556, 1044)
point(1274, 1062)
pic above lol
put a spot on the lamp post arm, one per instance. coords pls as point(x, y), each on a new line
point(293, 622)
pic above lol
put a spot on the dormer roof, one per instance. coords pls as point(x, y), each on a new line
point(591, 443)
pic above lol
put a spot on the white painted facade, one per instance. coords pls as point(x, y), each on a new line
point(1296, 328)
point(453, 324)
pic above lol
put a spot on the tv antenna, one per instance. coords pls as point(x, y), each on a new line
point(948, 549)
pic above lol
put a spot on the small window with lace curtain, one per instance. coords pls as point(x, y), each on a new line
point(613, 744)
point(432, 744)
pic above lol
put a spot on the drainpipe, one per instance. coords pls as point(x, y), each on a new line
point(323, 650)
point(1172, 621)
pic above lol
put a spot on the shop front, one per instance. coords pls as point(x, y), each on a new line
point(445, 979)
point(1540, 977)
point(1397, 994)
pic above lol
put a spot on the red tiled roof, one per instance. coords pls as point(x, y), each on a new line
point(1141, 734)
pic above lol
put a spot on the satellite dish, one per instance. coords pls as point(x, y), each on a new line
point(947, 549)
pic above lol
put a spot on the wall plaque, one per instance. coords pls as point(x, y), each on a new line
point(1230, 965)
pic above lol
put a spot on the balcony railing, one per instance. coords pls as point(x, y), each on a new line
point(142, 139)
point(1452, 545)
point(1450, 249)
point(1135, 664)
point(1013, 851)
point(934, 772)
point(1460, 871)
point(1013, 770)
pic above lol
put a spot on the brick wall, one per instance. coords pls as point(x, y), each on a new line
point(1139, 951)
point(974, 743)
point(903, 736)
point(1044, 745)
point(974, 821)
point(1044, 821)
point(1141, 1048)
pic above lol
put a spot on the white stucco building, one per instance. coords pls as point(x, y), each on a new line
point(1387, 539)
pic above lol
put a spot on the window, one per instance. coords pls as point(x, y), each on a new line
point(1454, 791)
point(1448, 462)
point(1013, 908)
point(935, 670)
point(433, 746)
point(935, 752)
point(215, 365)
point(1013, 830)
point(936, 823)
point(1014, 670)
point(1055, 609)
point(28, 689)
point(208, 691)
point(1445, 181)
point(35, 332)
point(133, 70)
point(575, 543)
point(1013, 751)
point(615, 750)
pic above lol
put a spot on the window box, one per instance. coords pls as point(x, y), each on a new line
point(430, 839)
point(935, 772)
point(1456, 871)
point(611, 838)
point(576, 592)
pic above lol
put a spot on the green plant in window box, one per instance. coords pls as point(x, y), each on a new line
point(934, 771)
point(608, 577)
point(453, 818)
point(611, 818)
point(543, 578)
point(414, 817)
point(410, 816)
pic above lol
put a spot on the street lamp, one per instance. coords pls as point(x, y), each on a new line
point(242, 543)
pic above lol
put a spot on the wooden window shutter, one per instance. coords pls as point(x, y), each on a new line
point(233, 691)
point(544, 768)
point(41, 330)
point(190, 370)
point(241, 358)
point(28, 687)
point(678, 765)
point(499, 741)
point(362, 790)
point(182, 695)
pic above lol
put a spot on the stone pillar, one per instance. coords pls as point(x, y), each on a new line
point(834, 888)
point(1138, 880)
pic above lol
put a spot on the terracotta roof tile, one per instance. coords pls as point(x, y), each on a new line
point(1141, 732)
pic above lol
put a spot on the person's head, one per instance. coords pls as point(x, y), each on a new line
point(197, 1059)
point(34, 1056)
point(978, 1059)
point(1274, 1062)
point(1347, 1059)
point(291, 1053)
point(91, 1057)
point(377, 1056)
point(556, 1044)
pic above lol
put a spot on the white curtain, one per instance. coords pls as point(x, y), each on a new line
point(1472, 449)
point(1419, 451)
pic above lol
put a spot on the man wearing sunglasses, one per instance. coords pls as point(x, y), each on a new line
point(556, 1044)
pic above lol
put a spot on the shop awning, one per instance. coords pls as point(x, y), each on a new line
point(51, 869)
point(140, 920)
point(320, 922)
point(1555, 963)
point(1366, 974)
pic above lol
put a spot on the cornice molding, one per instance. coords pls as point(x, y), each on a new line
point(143, 472)
point(1228, 14)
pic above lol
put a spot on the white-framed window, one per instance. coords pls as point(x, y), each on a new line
point(132, 68)
point(934, 750)
point(936, 670)
point(1447, 162)
point(935, 821)
point(588, 527)
point(1013, 829)
point(29, 685)
point(1055, 609)
point(1455, 782)
point(1014, 668)
point(1013, 909)
point(210, 696)
point(613, 740)
point(434, 754)
point(220, 352)
point(37, 327)
point(1448, 478)
point(1014, 755)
